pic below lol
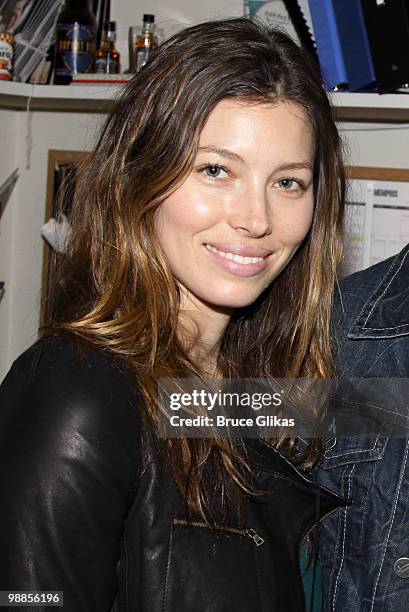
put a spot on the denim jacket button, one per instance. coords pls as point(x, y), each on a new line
point(330, 442)
point(401, 567)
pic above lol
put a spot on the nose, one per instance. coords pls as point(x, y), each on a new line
point(250, 212)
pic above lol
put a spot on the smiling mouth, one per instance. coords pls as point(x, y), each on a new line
point(240, 259)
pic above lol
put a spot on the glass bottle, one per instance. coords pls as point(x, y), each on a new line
point(75, 44)
point(107, 58)
point(147, 43)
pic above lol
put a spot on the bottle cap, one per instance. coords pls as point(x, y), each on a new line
point(110, 26)
point(149, 18)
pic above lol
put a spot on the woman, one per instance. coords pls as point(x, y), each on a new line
point(199, 228)
point(12, 15)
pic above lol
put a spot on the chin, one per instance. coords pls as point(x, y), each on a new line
point(233, 301)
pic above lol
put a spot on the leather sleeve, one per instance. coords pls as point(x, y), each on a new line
point(69, 459)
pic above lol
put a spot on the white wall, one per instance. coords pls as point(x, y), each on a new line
point(380, 145)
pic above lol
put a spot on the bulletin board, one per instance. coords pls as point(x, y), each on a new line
point(377, 216)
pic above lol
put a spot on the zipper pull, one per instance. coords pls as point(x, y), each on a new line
point(258, 540)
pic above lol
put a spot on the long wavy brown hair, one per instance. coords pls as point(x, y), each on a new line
point(116, 288)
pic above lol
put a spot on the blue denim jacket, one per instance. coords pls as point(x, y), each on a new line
point(364, 548)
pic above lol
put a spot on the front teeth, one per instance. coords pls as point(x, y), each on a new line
point(233, 257)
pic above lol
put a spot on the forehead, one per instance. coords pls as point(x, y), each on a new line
point(258, 126)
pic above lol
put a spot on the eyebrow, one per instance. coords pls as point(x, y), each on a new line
point(224, 152)
point(296, 166)
point(302, 165)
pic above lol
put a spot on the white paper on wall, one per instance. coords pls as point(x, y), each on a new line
point(376, 223)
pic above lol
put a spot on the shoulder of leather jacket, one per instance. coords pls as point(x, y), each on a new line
point(69, 471)
point(70, 398)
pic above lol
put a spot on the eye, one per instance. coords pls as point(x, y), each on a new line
point(289, 184)
point(214, 171)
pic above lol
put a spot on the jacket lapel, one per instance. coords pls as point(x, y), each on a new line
point(386, 313)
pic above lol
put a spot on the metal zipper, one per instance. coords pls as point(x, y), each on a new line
point(249, 533)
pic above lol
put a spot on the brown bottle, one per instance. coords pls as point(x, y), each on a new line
point(75, 44)
point(107, 58)
point(146, 44)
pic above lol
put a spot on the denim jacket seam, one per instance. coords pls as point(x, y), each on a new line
point(364, 518)
point(337, 542)
point(390, 526)
point(383, 293)
point(353, 452)
point(385, 328)
point(343, 539)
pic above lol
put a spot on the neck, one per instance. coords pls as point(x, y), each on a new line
point(205, 324)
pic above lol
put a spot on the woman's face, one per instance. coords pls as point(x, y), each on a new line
point(246, 206)
point(16, 15)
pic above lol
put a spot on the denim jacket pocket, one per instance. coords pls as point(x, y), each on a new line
point(353, 449)
point(350, 467)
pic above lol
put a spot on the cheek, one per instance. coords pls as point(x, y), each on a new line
point(306, 222)
point(298, 224)
point(171, 222)
point(177, 222)
point(183, 219)
point(187, 210)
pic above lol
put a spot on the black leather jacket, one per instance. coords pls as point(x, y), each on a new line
point(80, 513)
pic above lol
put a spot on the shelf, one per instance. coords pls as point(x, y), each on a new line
point(100, 98)
point(371, 107)
point(89, 98)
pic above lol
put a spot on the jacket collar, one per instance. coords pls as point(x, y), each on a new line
point(386, 313)
point(264, 457)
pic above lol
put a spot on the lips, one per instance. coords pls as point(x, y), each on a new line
point(238, 249)
point(247, 262)
point(241, 259)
